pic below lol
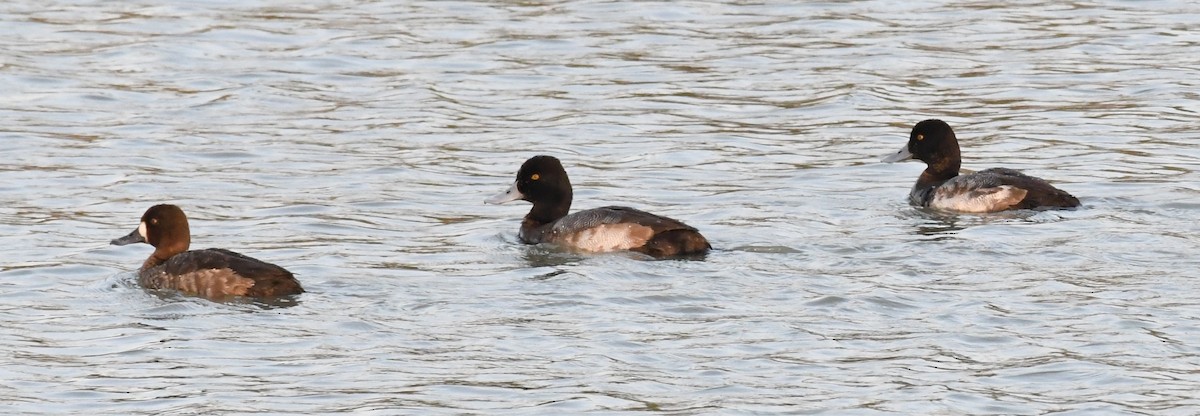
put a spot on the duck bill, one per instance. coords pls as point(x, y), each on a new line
point(134, 237)
point(512, 194)
point(901, 155)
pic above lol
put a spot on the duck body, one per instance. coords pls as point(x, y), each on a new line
point(617, 228)
point(990, 190)
point(218, 273)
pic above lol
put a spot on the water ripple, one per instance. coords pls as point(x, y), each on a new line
point(358, 139)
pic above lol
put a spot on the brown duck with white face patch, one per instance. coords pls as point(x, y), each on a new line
point(941, 186)
point(211, 273)
point(543, 181)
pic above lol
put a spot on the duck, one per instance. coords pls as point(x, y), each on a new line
point(942, 187)
point(213, 273)
point(543, 181)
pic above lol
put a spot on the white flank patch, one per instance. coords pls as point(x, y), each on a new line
point(979, 200)
point(611, 237)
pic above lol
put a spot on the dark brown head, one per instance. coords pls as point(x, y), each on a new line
point(164, 227)
point(542, 181)
point(932, 142)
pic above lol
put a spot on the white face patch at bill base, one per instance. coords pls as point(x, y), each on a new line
point(142, 231)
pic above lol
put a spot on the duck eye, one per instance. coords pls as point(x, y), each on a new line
point(154, 221)
point(535, 177)
point(920, 137)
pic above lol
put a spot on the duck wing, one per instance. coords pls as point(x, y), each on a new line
point(266, 279)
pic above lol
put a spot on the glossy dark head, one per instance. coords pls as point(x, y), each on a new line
point(932, 142)
point(164, 227)
point(541, 179)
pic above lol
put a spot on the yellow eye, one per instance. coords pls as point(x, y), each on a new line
point(535, 177)
point(920, 137)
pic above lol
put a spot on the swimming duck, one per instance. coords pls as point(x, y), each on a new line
point(941, 186)
point(543, 181)
point(211, 273)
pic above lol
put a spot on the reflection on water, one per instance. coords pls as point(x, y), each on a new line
point(542, 256)
point(934, 222)
point(943, 227)
point(353, 142)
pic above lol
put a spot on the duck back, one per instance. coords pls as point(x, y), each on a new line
point(1039, 193)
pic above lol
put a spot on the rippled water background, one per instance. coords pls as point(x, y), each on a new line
point(354, 141)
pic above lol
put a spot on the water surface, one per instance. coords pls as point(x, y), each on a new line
point(354, 141)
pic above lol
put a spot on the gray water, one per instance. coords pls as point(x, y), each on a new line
point(354, 141)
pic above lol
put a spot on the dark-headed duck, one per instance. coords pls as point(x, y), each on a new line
point(211, 273)
point(543, 181)
point(941, 186)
